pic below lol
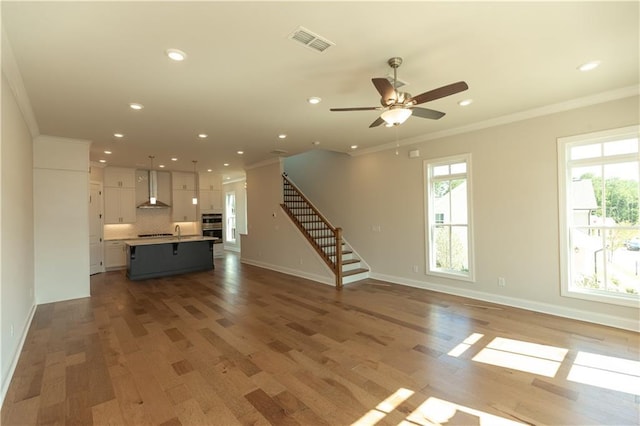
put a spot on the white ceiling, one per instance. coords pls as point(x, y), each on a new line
point(244, 81)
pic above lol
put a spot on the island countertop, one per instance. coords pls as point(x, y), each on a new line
point(167, 240)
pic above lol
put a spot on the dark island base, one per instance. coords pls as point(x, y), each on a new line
point(161, 260)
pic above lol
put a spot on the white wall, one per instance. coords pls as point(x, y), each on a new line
point(17, 302)
point(272, 240)
point(515, 206)
point(61, 219)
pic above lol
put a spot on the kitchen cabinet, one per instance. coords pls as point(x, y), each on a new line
point(210, 201)
point(119, 177)
point(183, 181)
point(210, 182)
point(119, 195)
point(115, 255)
point(210, 185)
point(119, 205)
point(182, 207)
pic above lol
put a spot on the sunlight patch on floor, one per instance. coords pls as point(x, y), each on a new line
point(607, 372)
point(466, 344)
point(435, 411)
point(384, 408)
point(523, 356)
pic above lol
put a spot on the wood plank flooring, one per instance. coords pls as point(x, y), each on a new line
point(247, 346)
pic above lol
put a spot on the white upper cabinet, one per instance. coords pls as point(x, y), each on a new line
point(183, 180)
point(182, 207)
point(119, 195)
point(210, 182)
point(119, 177)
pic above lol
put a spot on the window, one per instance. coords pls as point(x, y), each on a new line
point(230, 210)
point(448, 218)
point(599, 189)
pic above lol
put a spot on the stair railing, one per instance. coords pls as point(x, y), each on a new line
point(324, 237)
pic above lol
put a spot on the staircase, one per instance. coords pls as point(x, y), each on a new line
point(326, 239)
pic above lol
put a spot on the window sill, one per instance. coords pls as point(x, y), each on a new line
point(451, 275)
point(613, 299)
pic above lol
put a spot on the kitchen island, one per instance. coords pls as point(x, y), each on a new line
point(161, 257)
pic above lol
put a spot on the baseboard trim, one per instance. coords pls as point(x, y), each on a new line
point(295, 272)
point(545, 308)
point(6, 381)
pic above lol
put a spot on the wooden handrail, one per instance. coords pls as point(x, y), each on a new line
point(306, 200)
point(333, 232)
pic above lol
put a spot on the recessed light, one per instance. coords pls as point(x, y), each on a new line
point(589, 66)
point(465, 102)
point(118, 135)
point(174, 159)
point(209, 170)
point(102, 161)
point(203, 135)
point(226, 164)
point(354, 146)
point(282, 136)
point(176, 55)
point(314, 100)
point(161, 166)
point(107, 152)
point(136, 106)
point(240, 152)
point(227, 178)
point(316, 142)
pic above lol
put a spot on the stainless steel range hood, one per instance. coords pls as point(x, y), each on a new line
point(153, 194)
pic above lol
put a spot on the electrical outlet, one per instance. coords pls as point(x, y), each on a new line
point(11, 330)
point(501, 282)
point(415, 268)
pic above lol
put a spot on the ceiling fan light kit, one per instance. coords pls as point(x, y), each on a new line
point(397, 106)
point(396, 116)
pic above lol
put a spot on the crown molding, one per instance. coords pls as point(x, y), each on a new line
point(16, 84)
point(611, 95)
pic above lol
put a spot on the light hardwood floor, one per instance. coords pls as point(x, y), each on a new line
point(244, 345)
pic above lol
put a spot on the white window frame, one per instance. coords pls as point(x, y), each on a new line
point(430, 216)
point(564, 178)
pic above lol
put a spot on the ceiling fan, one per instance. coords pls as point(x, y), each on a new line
point(398, 106)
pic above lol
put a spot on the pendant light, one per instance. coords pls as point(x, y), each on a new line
point(152, 191)
point(194, 200)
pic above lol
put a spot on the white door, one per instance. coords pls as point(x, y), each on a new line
point(95, 229)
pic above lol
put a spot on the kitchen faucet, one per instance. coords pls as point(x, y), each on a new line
point(177, 228)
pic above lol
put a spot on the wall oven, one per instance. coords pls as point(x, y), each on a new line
point(212, 225)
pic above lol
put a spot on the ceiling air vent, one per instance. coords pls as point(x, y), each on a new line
point(310, 40)
point(278, 152)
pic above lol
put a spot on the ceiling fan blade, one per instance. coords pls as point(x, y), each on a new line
point(427, 113)
point(376, 123)
point(385, 89)
point(441, 92)
point(354, 109)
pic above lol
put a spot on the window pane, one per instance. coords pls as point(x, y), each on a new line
point(621, 193)
point(626, 146)
point(442, 247)
point(458, 168)
point(458, 201)
point(441, 170)
point(459, 249)
point(587, 258)
point(586, 195)
point(442, 205)
point(586, 151)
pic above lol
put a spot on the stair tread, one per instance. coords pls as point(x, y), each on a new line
point(350, 261)
point(354, 272)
